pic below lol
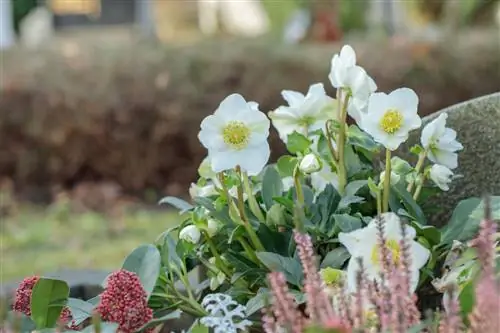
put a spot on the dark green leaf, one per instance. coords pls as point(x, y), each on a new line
point(257, 302)
point(286, 164)
point(347, 223)
point(326, 204)
point(222, 215)
point(461, 227)
point(272, 186)
point(145, 261)
point(336, 258)
point(297, 143)
point(358, 138)
point(411, 205)
point(291, 267)
point(467, 298)
point(432, 234)
point(180, 204)
point(48, 298)
point(285, 202)
point(169, 256)
point(276, 215)
point(161, 319)
point(349, 196)
point(416, 149)
point(273, 240)
point(80, 310)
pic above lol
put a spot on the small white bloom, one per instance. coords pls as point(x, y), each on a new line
point(394, 178)
point(363, 243)
point(441, 176)
point(303, 114)
point(441, 142)
point(205, 169)
point(236, 134)
point(325, 176)
point(288, 183)
point(310, 163)
point(212, 227)
point(346, 74)
point(191, 234)
point(391, 117)
point(202, 191)
point(217, 281)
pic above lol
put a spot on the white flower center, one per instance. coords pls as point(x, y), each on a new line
point(392, 121)
point(236, 134)
point(394, 249)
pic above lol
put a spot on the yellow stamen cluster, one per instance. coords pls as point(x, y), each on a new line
point(394, 248)
point(236, 135)
point(392, 121)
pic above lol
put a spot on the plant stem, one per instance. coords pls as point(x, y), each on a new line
point(417, 191)
point(241, 207)
point(418, 167)
point(298, 187)
point(254, 205)
point(387, 181)
point(341, 143)
point(233, 209)
point(379, 203)
point(249, 251)
point(218, 259)
point(329, 137)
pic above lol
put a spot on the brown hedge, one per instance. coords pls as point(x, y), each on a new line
point(130, 112)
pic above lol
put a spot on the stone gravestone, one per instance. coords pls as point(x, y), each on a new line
point(477, 123)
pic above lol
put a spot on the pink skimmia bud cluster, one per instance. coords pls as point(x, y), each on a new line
point(124, 301)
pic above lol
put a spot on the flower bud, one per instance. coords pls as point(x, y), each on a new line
point(212, 227)
point(441, 176)
point(394, 178)
point(190, 234)
point(309, 164)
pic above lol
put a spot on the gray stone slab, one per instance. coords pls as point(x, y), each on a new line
point(477, 123)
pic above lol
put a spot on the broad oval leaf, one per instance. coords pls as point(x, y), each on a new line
point(272, 186)
point(347, 223)
point(296, 143)
point(291, 267)
point(411, 205)
point(145, 261)
point(336, 258)
point(257, 302)
point(461, 227)
point(24, 323)
point(178, 203)
point(286, 164)
point(48, 298)
point(80, 310)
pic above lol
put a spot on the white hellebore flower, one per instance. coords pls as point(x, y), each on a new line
point(236, 134)
point(212, 227)
point(310, 163)
point(325, 176)
point(391, 117)
point(190, 234)
point(363, 243)
point(346, 74)
point(303, 114)
point(441, 142)
point(441, 176)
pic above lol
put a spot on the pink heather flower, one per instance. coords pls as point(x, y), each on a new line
point(22, 302)
point(124, 301)
point(284, 306)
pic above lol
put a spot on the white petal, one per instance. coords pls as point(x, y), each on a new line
point(292, 97)
point(352, 271)
point(420, 255)
point(257, 121)
point(212, 140)
point(443, 157)
point(405, 100)
point(254, 159)
point(316, 90)
point(353, 240)
point(224, 160)
point(231, 106)
point(348, 55)
point(338, 72)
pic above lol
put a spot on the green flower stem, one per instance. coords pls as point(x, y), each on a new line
point(387, 181)
point(254, 206)
point(191, 306)
point(249, 251)
point(342, 173)
point(418, 167)
point(329, 137)
point(218, 259)
point(417, 191)
point(233, 209)
point(379, 203)
point(185, 281)
point(298, 187)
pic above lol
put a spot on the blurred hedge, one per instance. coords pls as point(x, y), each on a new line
point(130, 113)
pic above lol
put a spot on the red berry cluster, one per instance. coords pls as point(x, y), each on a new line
point(22, 301)
point(124, 301)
